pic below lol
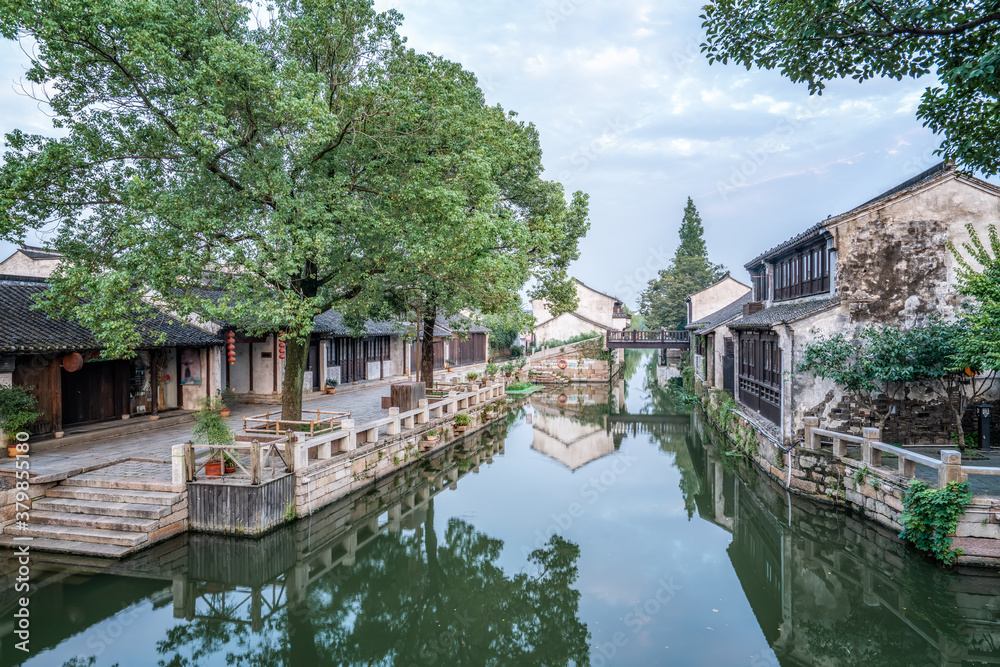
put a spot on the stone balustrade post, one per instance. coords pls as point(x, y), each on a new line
point(422, 416)
point(870, 455)
point(178, 476)
point(300, 455)
point(393, 427)
point(351, 441)
point(951, 471)
point(906, 467)
point(811, 423)
point(839, 447)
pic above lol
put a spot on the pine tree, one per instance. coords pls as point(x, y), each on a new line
point(663, 301)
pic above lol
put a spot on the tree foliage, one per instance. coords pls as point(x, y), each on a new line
point(815, 41)
point(292, 163)
point(663, 302)
point(979, 280)
point(880, 361)
point(17, 410)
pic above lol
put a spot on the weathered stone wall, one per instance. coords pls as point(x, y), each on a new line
point(872, 491)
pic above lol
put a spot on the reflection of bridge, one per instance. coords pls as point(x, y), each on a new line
point(651, 424)
point(649, 340)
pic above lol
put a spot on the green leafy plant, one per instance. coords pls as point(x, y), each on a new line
point(17, 410)
point(290, 512)
point(863, 474)
point(492, 369)
point(330, 382)
point(931, 515)
point(472, 376)
point(519, 386)
point(463, 420)
point(211, 428)
point(228, 398)
point(508, 368)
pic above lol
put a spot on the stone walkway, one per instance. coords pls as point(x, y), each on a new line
point(52, 461)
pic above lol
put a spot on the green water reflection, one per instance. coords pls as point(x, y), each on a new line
point(598, 527)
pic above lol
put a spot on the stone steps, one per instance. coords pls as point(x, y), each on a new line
point(103, 482)
point(77, 534)
point(79, 520)
point(101, 508)
point(91, 516)
point(67, 546)
point(114, 495)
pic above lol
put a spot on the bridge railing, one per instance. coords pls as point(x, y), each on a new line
point(661, 336)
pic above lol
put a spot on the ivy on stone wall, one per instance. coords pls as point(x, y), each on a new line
point(931, 515)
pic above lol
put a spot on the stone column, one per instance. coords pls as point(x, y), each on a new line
point(811, 423)
point(951, 471)
point(177, 476)
point(870, 455)
point(393, 427)
point(351, 441)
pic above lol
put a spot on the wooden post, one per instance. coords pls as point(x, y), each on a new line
point(255, 462)
point(189, 462)
point(154, 380)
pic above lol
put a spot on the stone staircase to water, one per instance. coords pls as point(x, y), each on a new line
point(96, 515)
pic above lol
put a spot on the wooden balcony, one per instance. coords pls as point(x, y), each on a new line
point(620, 313)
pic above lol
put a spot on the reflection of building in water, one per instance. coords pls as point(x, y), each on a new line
point(571, 427)
point(831, 588)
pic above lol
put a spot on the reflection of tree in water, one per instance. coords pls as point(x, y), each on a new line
point(861, 639)
point(411, 600)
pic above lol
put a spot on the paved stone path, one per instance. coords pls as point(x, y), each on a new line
point(56, 460)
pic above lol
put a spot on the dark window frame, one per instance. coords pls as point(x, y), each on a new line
point(803, 273)
point(759, 376)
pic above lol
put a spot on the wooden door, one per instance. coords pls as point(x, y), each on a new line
point(312, 364)
point(96, 392)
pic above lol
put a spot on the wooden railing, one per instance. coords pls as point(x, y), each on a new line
point(271, 422)
point(620, 313)
point(261, 457)
point(661, 336)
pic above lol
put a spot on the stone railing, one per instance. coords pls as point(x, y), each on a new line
point(949, 467)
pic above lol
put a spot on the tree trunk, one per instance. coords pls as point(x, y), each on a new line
point(427, 348)
point(296, 350)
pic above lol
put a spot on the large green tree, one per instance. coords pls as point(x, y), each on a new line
point(815, 41)
point(663, 302)
point(203, 145)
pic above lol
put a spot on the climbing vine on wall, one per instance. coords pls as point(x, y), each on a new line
point(931, 515)
point(722, 413)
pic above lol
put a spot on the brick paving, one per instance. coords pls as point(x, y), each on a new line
point(55, 460)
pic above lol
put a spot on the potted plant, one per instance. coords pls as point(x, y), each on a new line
point(449, 364)
point(462, 422)
point(331, 386)
point(211, 429)
point(17, 410)
point(472, 376)
point(227, 401)
point(508, 368)
point(491, 369)
point(431, 436)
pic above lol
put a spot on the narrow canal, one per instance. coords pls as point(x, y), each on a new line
point(597, 527)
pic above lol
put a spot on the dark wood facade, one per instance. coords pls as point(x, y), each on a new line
point(353, 355)
point(760, 373)
point(805, 272)
point(467, 352)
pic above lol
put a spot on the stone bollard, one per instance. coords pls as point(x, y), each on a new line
point(870, 455)
point(393, 427)
point(177, 474)
point(811, 423)
point(951, 471)
point(351, 441)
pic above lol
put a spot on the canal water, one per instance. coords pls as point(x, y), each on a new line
point(596, 527)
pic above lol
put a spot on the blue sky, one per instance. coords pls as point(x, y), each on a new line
point(631, 113)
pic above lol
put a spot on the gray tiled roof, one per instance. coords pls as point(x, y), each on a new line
point(783, 312)
point(722, 315)
point(332, 322)
point(817, 229)
point(23, 329)
point(39, 253)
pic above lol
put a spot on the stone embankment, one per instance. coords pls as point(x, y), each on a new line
point(576, 362)
point(860, 473)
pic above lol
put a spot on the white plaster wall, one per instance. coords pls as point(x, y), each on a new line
point(716, 297)
point(20, 264)
point(239, 373)
point(333, 372)
point(170, 386)
point(374, 370)
point(562, 328)
point(307, 382)
point(397, 356)
point(263, 369)
point(592, 305)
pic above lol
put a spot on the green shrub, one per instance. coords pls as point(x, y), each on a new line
point(931, 515)
point(17, 409)
point(210, 428)
point(463, 420)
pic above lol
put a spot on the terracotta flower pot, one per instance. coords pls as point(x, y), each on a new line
point(224, 413)
point(214, 468)
point(331, 391)
point(12, 451)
